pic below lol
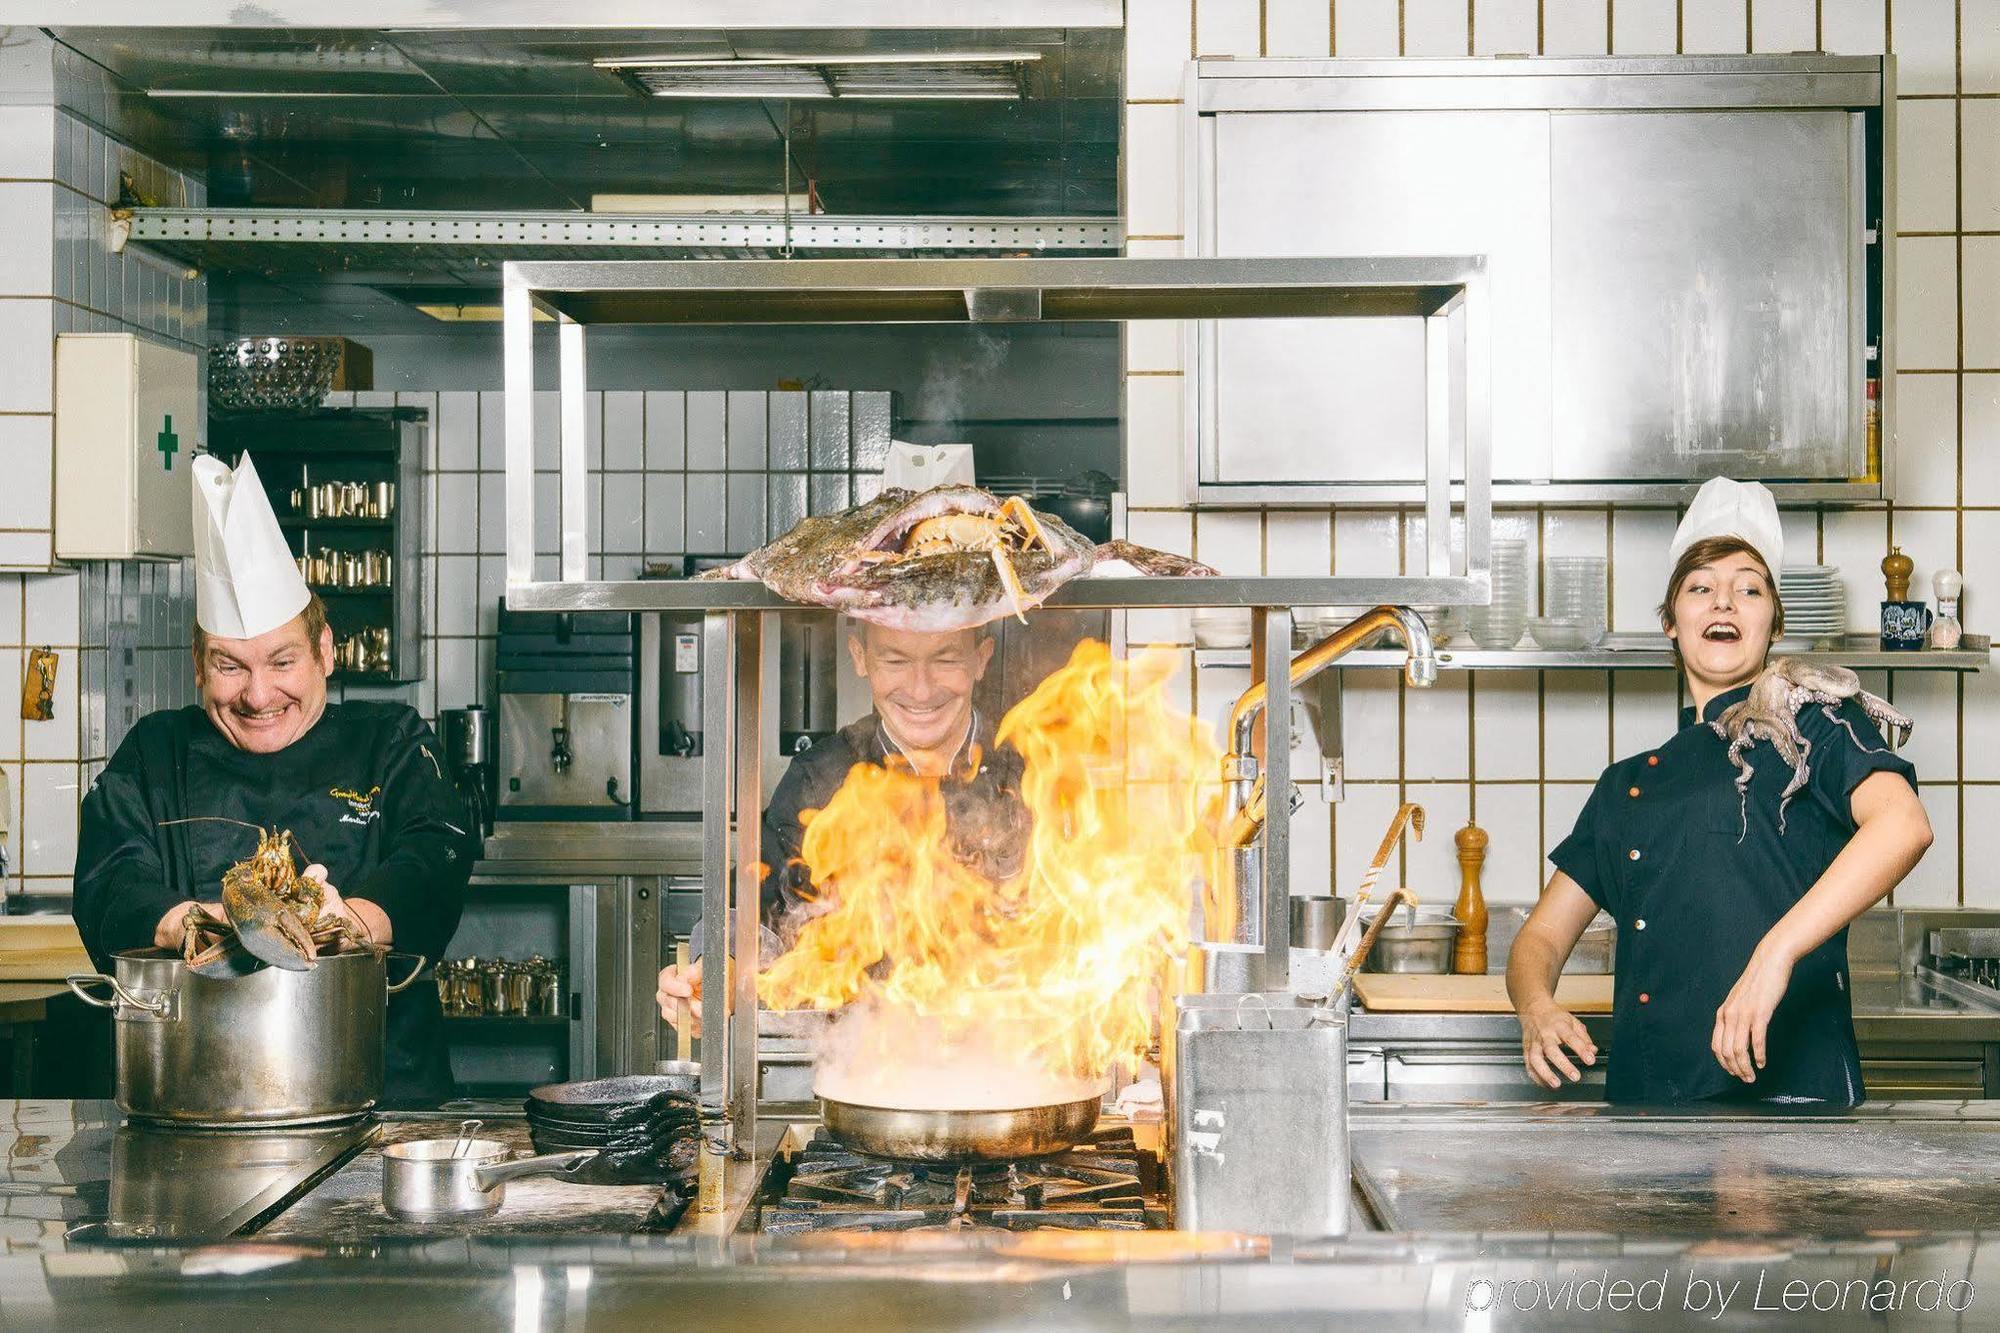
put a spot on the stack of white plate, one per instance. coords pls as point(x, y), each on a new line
point(1815, 601)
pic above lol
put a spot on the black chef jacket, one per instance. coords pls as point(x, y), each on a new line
point(366, 796)
point(988, 823)
point(1663, 846)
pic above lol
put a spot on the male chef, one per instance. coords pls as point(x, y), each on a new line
point(924, 719)
point(359, 785)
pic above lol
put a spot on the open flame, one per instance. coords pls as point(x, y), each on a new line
point(1059, 963)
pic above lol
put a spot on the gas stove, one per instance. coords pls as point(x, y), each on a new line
point(1107, 1184)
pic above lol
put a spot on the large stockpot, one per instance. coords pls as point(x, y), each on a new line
point(269, 1048)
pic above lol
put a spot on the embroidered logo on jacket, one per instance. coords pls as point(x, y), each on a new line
point(360, 805)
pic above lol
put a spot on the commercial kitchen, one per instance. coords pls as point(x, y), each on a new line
point(1331, 656)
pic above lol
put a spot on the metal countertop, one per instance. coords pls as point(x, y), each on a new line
point(1540, 1177)
point(1881, 1168)
point(1889, 1008)
point(581, 851)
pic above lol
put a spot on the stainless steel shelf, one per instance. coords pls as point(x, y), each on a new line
point(1648, 652)
point(1102, 594)
point(417, 242)
point(895, 291)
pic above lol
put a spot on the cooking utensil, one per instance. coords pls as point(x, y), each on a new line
point(267, 1048)
point(960, 1136)
point(1408, 815)
point(466, 1129)
point(625, 1099)
point(426, 1181)
point(1361, 951)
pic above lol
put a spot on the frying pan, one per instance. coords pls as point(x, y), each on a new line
point(960, 1136)
point(626, 1099)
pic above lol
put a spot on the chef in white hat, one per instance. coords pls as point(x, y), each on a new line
point(1731, 904)
point(358, 785)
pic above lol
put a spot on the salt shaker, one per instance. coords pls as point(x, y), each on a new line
point(1945, 629)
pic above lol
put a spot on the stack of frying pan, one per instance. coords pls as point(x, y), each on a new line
point(646, 1128)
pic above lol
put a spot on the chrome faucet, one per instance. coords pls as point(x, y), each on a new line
point(1236, 900)
point(1245, 808)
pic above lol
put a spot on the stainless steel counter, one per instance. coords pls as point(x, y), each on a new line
point(1879, 1168)
point(1532, 1196)
point(589, 851)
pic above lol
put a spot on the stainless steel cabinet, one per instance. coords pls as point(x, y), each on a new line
point(1683, 255)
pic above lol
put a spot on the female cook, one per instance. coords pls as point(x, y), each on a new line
point(1732, 911)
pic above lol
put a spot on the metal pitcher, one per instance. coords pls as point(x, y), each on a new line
point(1257, 1105)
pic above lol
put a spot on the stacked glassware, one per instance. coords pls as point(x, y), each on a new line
point(1573, 599)
point(1499, 624)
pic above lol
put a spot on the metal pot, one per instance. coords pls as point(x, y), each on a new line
point(1423, 947)
point(430, 1180)
point(960, 1136)
point(270, 1048)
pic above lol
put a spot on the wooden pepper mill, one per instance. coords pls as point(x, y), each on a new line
point(1896, 571)
point(1470, 954)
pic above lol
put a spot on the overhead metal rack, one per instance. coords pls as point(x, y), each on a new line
point(353, 241)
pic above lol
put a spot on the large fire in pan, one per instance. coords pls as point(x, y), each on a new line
point(1057, 965)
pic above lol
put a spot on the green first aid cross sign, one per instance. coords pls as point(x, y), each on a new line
point(168, 443)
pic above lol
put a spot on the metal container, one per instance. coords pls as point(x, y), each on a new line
point(270, 1048)
point(1316, 920)
point(430, 1180)
point(1258, 1113)
point(1423, 947)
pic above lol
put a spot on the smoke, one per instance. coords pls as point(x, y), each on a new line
point(949, 372)
point(873, 1054)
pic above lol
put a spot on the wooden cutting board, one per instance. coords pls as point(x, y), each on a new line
point(1410, 993)
point(40, 949)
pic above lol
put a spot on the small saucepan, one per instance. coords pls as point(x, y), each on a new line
point(433, 1180)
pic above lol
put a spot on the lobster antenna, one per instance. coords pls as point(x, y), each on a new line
point(210, 819)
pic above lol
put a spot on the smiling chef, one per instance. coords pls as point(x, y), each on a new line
point(1732, 912)
point(358, 784)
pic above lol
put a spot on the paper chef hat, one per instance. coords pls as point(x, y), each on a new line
point(246, 580)
point(1742, 509)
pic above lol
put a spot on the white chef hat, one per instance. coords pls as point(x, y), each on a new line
point(1741, 509)
point(247, 581)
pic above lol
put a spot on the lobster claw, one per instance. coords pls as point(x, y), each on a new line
point(280, 939)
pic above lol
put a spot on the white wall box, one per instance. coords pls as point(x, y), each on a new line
point(127, 426)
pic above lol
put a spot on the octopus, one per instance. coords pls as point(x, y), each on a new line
point(1770, 712)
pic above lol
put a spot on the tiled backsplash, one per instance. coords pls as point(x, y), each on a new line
point(110, 625)
point(671, 472)
point(1522, 748)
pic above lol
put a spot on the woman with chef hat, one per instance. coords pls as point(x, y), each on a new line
point(1732, 907)
point(358, 785)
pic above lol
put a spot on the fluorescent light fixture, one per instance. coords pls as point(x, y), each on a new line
point(696, 203)
point(481, 312)
point(910, 75)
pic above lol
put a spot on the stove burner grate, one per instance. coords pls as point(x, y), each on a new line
point(1101, 1186)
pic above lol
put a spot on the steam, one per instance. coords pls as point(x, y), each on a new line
point(949, 372)
point(875, 1054)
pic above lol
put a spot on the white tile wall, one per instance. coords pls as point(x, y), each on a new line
point(1365, 28)
point(1540, 739)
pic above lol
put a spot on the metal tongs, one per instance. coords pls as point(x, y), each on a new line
point(1408, 816)
point(466, 1129)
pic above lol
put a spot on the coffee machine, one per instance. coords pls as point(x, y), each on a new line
point(468, 752)
point(566, 714)
point(671, 742)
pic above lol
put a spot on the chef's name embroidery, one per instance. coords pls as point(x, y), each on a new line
point(360, 805)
